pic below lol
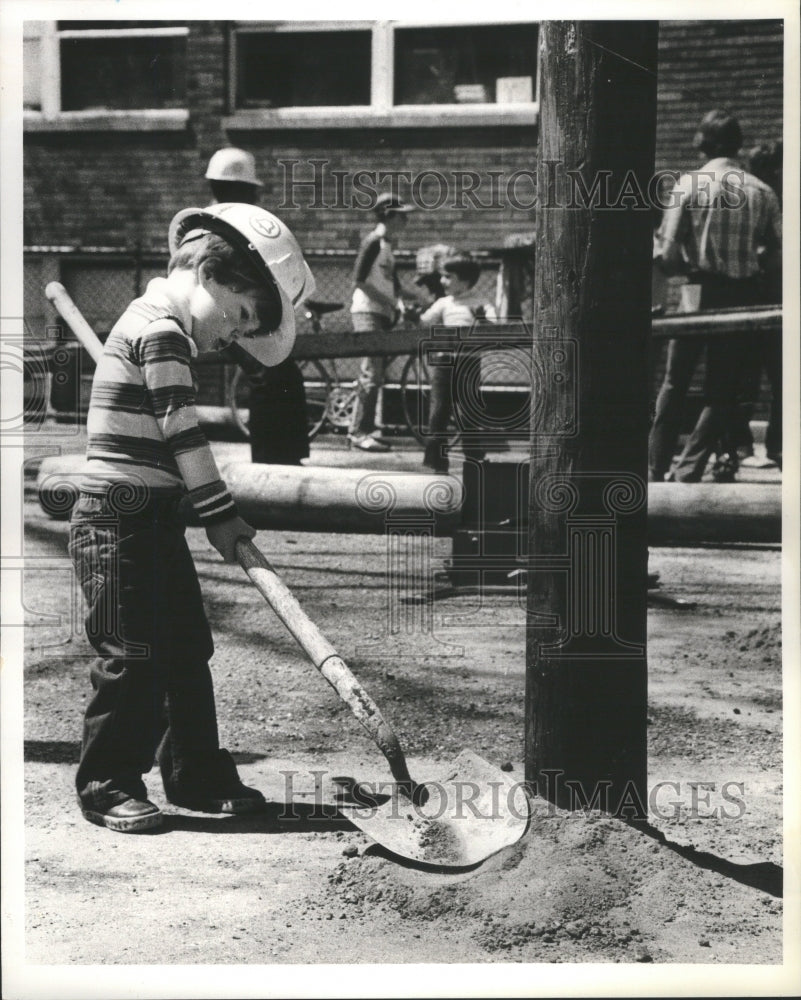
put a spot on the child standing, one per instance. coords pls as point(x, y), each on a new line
point(235, 274)
point(460, 306)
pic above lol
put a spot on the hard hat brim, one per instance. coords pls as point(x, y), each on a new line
point(270, 349)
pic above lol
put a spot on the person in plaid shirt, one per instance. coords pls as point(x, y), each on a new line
point(718, 219)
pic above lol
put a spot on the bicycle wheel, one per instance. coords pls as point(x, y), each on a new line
point(415, 387)
point(317, 387)
point(341, 401)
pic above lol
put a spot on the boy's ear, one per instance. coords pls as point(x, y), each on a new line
point(205, 272)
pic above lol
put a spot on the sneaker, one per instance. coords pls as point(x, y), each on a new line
point(128, 816)
point(367, 443)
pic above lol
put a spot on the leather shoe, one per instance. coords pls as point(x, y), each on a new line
point(236, 800)
point(128, 816)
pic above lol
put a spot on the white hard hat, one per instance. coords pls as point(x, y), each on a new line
point(232, 164)
point(277, 255)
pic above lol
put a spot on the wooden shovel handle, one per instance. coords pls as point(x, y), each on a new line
point(325, 658)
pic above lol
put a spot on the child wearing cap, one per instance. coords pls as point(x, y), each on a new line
point(376, 303)
point(460, 306)
point(153, 695)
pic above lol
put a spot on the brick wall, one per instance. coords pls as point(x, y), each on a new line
point(736, 65)
point(116, 188)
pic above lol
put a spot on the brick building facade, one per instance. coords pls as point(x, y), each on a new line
point(104, 181)
point(104, 175)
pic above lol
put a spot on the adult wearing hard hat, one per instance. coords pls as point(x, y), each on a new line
point(278, 420)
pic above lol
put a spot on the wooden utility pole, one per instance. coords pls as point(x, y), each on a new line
point(586, 670)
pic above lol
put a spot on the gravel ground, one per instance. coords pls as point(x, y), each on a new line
point(700, 887)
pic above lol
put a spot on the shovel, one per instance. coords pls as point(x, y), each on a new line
point(468, 814)
point(472, 811)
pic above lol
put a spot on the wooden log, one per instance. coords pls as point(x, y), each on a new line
point(314, 498)
point(301, 498)
point(586, 672)
point(722, 513)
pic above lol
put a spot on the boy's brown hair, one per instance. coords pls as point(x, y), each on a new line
point(230, 267)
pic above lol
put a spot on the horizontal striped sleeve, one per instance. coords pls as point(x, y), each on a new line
point(187, 440)
point(164, 354)
point(213, 502)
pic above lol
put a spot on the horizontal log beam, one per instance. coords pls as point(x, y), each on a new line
point(407, 340)
point(363, 501)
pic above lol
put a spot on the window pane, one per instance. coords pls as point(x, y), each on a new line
point(123, 73)
point(31, 74)
point(115, 25)
point(303, 69)
point(464, 65)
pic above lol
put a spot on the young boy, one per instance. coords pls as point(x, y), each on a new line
point(235, 275)
point(374, 307)
point(460, 306)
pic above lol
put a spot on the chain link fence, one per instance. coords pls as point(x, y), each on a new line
point(103, 280)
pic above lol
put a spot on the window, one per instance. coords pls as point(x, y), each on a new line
point(465, 65)
point(291, 74)
point(32, 66)
point(85, 69)
point(303, 69)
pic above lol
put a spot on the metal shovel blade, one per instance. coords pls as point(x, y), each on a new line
point(472, 812)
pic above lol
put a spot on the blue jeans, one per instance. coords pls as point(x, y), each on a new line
point(371, 375)
point(152, 686)
point(725, 360)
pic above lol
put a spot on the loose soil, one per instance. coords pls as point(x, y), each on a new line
point(298, 884)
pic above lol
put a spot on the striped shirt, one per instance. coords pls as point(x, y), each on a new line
point(142, 424)
point(720, 216)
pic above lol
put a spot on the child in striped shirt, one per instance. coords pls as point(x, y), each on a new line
point(234, 276)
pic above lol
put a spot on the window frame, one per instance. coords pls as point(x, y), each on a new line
point(381, 112)
point(51, 117)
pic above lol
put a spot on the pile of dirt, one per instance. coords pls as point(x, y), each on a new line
point(577, 887)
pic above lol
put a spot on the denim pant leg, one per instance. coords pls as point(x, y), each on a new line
point(371, 376)
point(683, 356)
point(439, 414)
point(723, 365)
point(125, 564)
point(278, 420)
point(190, 745)
point(468, 403)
